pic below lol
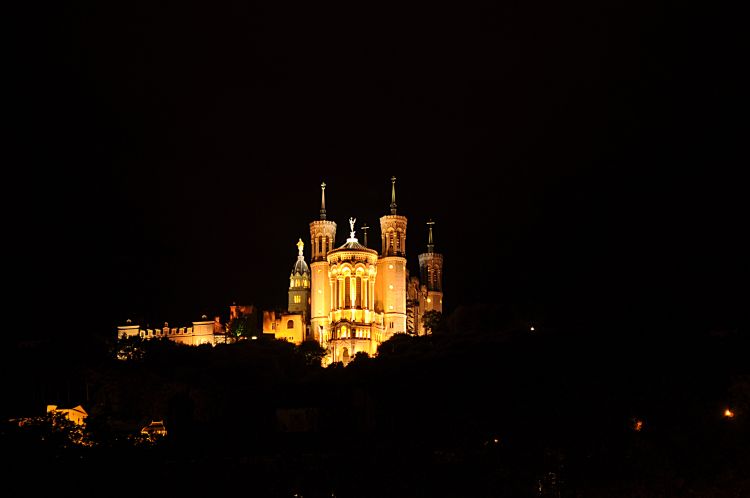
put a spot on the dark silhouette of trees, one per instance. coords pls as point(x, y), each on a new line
point(433, 321)
point(312, 352)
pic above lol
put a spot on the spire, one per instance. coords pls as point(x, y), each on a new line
point(300, 247)
point(430, 243)
point(393, 195)
point(364, 232)
point(323, 201)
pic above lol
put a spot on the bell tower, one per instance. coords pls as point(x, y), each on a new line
point(322, 239)
point(391, 281)
point(431, 274)
point(299, 284)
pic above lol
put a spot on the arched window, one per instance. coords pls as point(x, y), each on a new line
point(359, 292)
point(290, 324)
point(347, 293)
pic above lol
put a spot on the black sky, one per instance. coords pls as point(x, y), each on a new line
point(580, 159)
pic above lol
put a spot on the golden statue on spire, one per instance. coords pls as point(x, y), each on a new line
point(300, 247)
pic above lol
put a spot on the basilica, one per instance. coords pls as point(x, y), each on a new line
point(351, 298)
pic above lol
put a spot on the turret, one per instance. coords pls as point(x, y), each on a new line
point(322, 239)
point(391, 282)
point(431, 273)
point(299, 284)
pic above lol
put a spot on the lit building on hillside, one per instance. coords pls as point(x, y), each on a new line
point(349, 299)
point(360, 298)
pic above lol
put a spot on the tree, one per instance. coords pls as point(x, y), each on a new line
point(129, 348)
point(397, 343)
point(432, 320)
point(243, 326)
point(55, 431)
point(312, 352)
point(360, 358)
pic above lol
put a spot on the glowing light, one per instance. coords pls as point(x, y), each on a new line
point(390, 286)
point(531, 328)
point(255, 338)
point(638, 425)
point(496, 440)
point(429, 300)
point(728, 413)
point(390, 307)
point(390, 267)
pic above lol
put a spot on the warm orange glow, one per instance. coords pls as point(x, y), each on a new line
point(638, 425)
point(728, 413)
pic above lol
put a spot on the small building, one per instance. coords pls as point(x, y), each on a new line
point(289, 327)
point(76, 415)
point(155, 428)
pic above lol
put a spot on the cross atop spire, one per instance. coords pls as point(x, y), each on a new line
point(364, 232)
point(393, 195)
point(323, 201)
point(430, 243)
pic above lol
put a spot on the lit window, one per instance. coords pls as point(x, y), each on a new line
point(297, 299)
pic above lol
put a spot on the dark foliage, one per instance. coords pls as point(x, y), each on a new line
point(480, 413)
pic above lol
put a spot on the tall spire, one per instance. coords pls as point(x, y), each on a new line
point(430, 243)
point(364, 232)
point(393, 195)
point(323, 201)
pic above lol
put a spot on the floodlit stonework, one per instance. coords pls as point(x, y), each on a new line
point(349, 298)
point(361, 298)
point(202, 332)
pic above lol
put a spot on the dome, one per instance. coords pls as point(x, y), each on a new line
point(354, 245)
point(300, 267)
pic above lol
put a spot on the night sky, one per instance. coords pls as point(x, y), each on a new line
point(581, 160)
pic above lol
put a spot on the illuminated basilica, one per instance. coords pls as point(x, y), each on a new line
point(354, 297)
point(350, 298)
